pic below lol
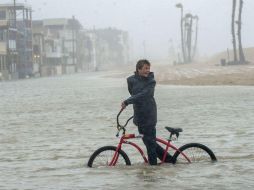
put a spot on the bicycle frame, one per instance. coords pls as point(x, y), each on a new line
point(125, 137)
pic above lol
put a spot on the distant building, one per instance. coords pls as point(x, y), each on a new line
point(38, 47)
point(108, 47)
point(61, 46)
point(84, 53)
point(55, 45)
point(15, 41)
point(8, 50)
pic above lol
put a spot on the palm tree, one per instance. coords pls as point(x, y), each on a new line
point(239, 23)
point(188, 24)
point(196, 37)
point(233, 31)
point(179, 5)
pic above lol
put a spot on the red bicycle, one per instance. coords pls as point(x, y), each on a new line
point(114, 155)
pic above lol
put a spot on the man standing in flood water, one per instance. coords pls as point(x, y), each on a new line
point(141, 87)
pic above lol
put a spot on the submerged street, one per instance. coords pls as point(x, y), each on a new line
point(50, 127)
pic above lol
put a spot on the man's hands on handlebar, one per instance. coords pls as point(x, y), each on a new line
point(122, 127)
point(123, 105)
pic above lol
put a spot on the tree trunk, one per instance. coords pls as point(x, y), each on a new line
point(196, 39)
point(185, 38)
point(241, 54)
point(189, 39)
point(233, 31)
point(182, 37)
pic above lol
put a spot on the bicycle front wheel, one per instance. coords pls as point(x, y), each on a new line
point(104, 155)
point(195, 152)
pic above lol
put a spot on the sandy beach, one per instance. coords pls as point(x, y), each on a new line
point(205, 72)
point(197, 74)
point(200, 74)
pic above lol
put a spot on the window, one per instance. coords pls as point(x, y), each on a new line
point(1, 67)
point(2, 15)
point(2, 63)
point(12, 44)
point(2, 35)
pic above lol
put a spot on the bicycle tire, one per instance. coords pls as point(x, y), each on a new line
point(196, 152)
point(96, 161)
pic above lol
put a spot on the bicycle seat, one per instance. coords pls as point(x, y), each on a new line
point(174, 131)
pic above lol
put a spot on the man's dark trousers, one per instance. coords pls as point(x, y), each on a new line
point(153, 149)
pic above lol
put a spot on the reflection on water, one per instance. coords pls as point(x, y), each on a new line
point(50, 127)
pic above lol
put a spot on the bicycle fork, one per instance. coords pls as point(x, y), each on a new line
point(116, 155)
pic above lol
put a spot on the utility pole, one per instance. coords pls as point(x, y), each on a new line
point(14, 7)
point(12, 65)
point(73, 41)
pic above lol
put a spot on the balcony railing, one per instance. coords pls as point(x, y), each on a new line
point(3, 48)
point(4, 23)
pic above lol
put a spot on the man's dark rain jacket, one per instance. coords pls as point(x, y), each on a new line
point(142, 97)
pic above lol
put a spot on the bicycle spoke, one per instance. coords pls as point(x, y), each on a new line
point(105, 158)
point(195, 154)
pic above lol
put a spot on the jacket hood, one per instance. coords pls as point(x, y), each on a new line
point(149, 77)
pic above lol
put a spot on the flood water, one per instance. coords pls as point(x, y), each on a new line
point(50, 126)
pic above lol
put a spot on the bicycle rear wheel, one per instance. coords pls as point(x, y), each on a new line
point(103, 156)
point(195, 152)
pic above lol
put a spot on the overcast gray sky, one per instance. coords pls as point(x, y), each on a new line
point(154, 21)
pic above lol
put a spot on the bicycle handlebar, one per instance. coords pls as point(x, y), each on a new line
point(119, 126)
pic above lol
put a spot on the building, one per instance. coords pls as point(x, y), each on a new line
point(8, 50)
point(38, 47)
point(61, 46)
point(15, 41)
point(109, 47)
point(55, 46)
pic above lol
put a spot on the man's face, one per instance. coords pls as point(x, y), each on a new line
point(144, 71)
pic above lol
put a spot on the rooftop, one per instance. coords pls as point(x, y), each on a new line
point(18, 6)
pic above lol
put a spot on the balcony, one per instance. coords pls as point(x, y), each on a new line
point(54, 54)
point(3, 48)
point(4, 23)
